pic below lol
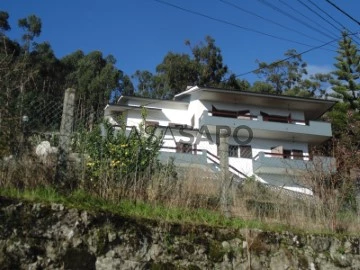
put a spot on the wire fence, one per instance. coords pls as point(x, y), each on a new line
point(105, 162)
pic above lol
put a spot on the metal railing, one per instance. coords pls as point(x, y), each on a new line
point(210, 156)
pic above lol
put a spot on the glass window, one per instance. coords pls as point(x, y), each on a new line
point(183, 148)
point(297, 154)
point(245, 151)
point(233, 151)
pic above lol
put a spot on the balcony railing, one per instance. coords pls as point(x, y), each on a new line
point(283, 155)
point(208, 156)
point(266, 162)
point(269, 118)
point(296, 129)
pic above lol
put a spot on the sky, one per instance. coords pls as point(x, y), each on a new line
point(139, 33)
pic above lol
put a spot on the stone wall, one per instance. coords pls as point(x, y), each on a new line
point(39, 236)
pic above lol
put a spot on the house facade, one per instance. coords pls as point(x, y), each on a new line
point(268, 136)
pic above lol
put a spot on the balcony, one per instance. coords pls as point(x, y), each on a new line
point(272, 163)
point(199, 158)
point(268, 128)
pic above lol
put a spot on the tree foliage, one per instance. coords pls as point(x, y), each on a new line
point(346, 81)
point(289, 77)
point(31, 76)
point(345, 84)
point(32, 27)
point(4, 24)
point(204, 67)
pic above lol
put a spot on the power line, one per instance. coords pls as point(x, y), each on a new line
point(323, 11)
point(291, 16)
point(269, 20)
point(313, 11)
point(230, 23)
point(287, 58)
point(336, 21)
point(342, 11)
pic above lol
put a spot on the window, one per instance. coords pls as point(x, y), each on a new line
point(233, 151)
point(287, 153)
point(245, 151)
point(183, 148)
point(297, 154)
point(228, 113)
point(276, 118)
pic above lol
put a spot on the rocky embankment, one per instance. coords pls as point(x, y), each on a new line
point(40, 236)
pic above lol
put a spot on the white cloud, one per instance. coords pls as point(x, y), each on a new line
point(313, 69)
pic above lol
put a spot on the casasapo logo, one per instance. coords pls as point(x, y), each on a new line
point(242, 135)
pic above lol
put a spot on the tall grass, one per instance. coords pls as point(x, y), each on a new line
point(188, 197)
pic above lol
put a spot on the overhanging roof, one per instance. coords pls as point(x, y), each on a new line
point(313, 108)
point(153, 102)
point(122, 108)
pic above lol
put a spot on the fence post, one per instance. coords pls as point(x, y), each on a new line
point(67, 122)
point(224, 170)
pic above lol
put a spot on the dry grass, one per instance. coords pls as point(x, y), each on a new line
point(192, 189)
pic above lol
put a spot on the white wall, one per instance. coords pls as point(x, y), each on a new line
point(196, 108)
point(178, 116)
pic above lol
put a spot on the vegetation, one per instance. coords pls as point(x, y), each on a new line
point(120, 173)
point(288, 77)
point(345, 84)
point(82, 200)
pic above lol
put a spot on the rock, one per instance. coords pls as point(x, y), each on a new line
point(342, 260)
point(320, 244)
point(108, 263)
point(40, 236)
point(79, 259)
point(281, 261)
point(155, 251)
point(111, 236)
point(226, 245)
point(57, 207)
point(347, 247)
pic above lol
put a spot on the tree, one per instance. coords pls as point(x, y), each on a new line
point(285, 74)
point(32, 28)
point(126, 86)
point(146, 86)
point(346, 84)
point(4, 24)
point(290, 77)
point(96, 80)
point(177, 71)
point(263, 87)
point(209, 62)
point(233, 83)
point(49, 76)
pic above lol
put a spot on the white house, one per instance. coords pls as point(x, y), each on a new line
point(269, 135)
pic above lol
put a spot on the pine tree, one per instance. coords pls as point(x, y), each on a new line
point(345, 84)
point(346, 81)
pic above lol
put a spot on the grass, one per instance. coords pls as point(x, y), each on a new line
point(138, 209)
point(190, 199)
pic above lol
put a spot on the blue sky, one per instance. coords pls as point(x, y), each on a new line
point(139, 33)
